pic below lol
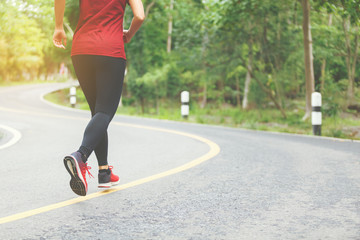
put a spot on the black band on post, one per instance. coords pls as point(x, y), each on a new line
point(316, 109)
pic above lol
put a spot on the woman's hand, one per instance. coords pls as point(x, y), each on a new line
point(139, 17)
point(126, 36)
point(58, 38)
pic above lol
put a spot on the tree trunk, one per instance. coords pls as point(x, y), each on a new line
point(238, 100)
point(204, 43)
point(350, 60)
point(148, 7)
point(204, 98)
point(157, 101)
point(295, 17)
point(308, 54)
point(323, 65)
point(220, 88)
point(170, 24)
point(351, 88)
point(142, 104)
point(323, 75)
point(245, 103)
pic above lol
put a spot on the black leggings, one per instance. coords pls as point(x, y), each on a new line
point(101, 79)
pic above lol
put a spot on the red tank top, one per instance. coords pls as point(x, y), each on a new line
point(100, 28)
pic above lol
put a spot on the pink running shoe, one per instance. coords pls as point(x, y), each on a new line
point(108, 179)
point(77, 170)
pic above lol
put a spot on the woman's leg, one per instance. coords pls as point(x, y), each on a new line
point(101, 151)
point(101, 79)
point(109, 75)
point(86, 72)
point(74, 163)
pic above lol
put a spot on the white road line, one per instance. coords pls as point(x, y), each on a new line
point(15, 138)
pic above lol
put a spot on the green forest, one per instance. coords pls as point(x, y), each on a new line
point(246, 63)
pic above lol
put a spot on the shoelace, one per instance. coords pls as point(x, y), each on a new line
point(86, 169)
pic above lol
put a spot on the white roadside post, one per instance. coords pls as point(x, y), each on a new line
point(316, 116)
point(185, 98)
point(73, 96)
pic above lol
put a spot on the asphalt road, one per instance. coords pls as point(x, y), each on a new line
point(260, 186)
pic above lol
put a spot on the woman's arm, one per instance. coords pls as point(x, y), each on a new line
point(139, 17)
point(59, 33)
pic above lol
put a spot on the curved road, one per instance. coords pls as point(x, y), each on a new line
point(260, 186)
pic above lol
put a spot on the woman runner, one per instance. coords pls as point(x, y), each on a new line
point(99, 61)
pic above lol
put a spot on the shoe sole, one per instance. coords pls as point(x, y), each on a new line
point(104, 185)
point(77, 182)
point(108, 185)
point(115, 183)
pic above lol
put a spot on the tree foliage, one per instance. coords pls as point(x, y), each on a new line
point(215, 44)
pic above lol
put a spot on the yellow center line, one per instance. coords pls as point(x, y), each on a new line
point(214, 150)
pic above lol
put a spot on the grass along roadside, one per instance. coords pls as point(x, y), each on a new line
point(346, 125)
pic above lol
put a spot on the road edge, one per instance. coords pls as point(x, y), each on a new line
point(42, 97)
